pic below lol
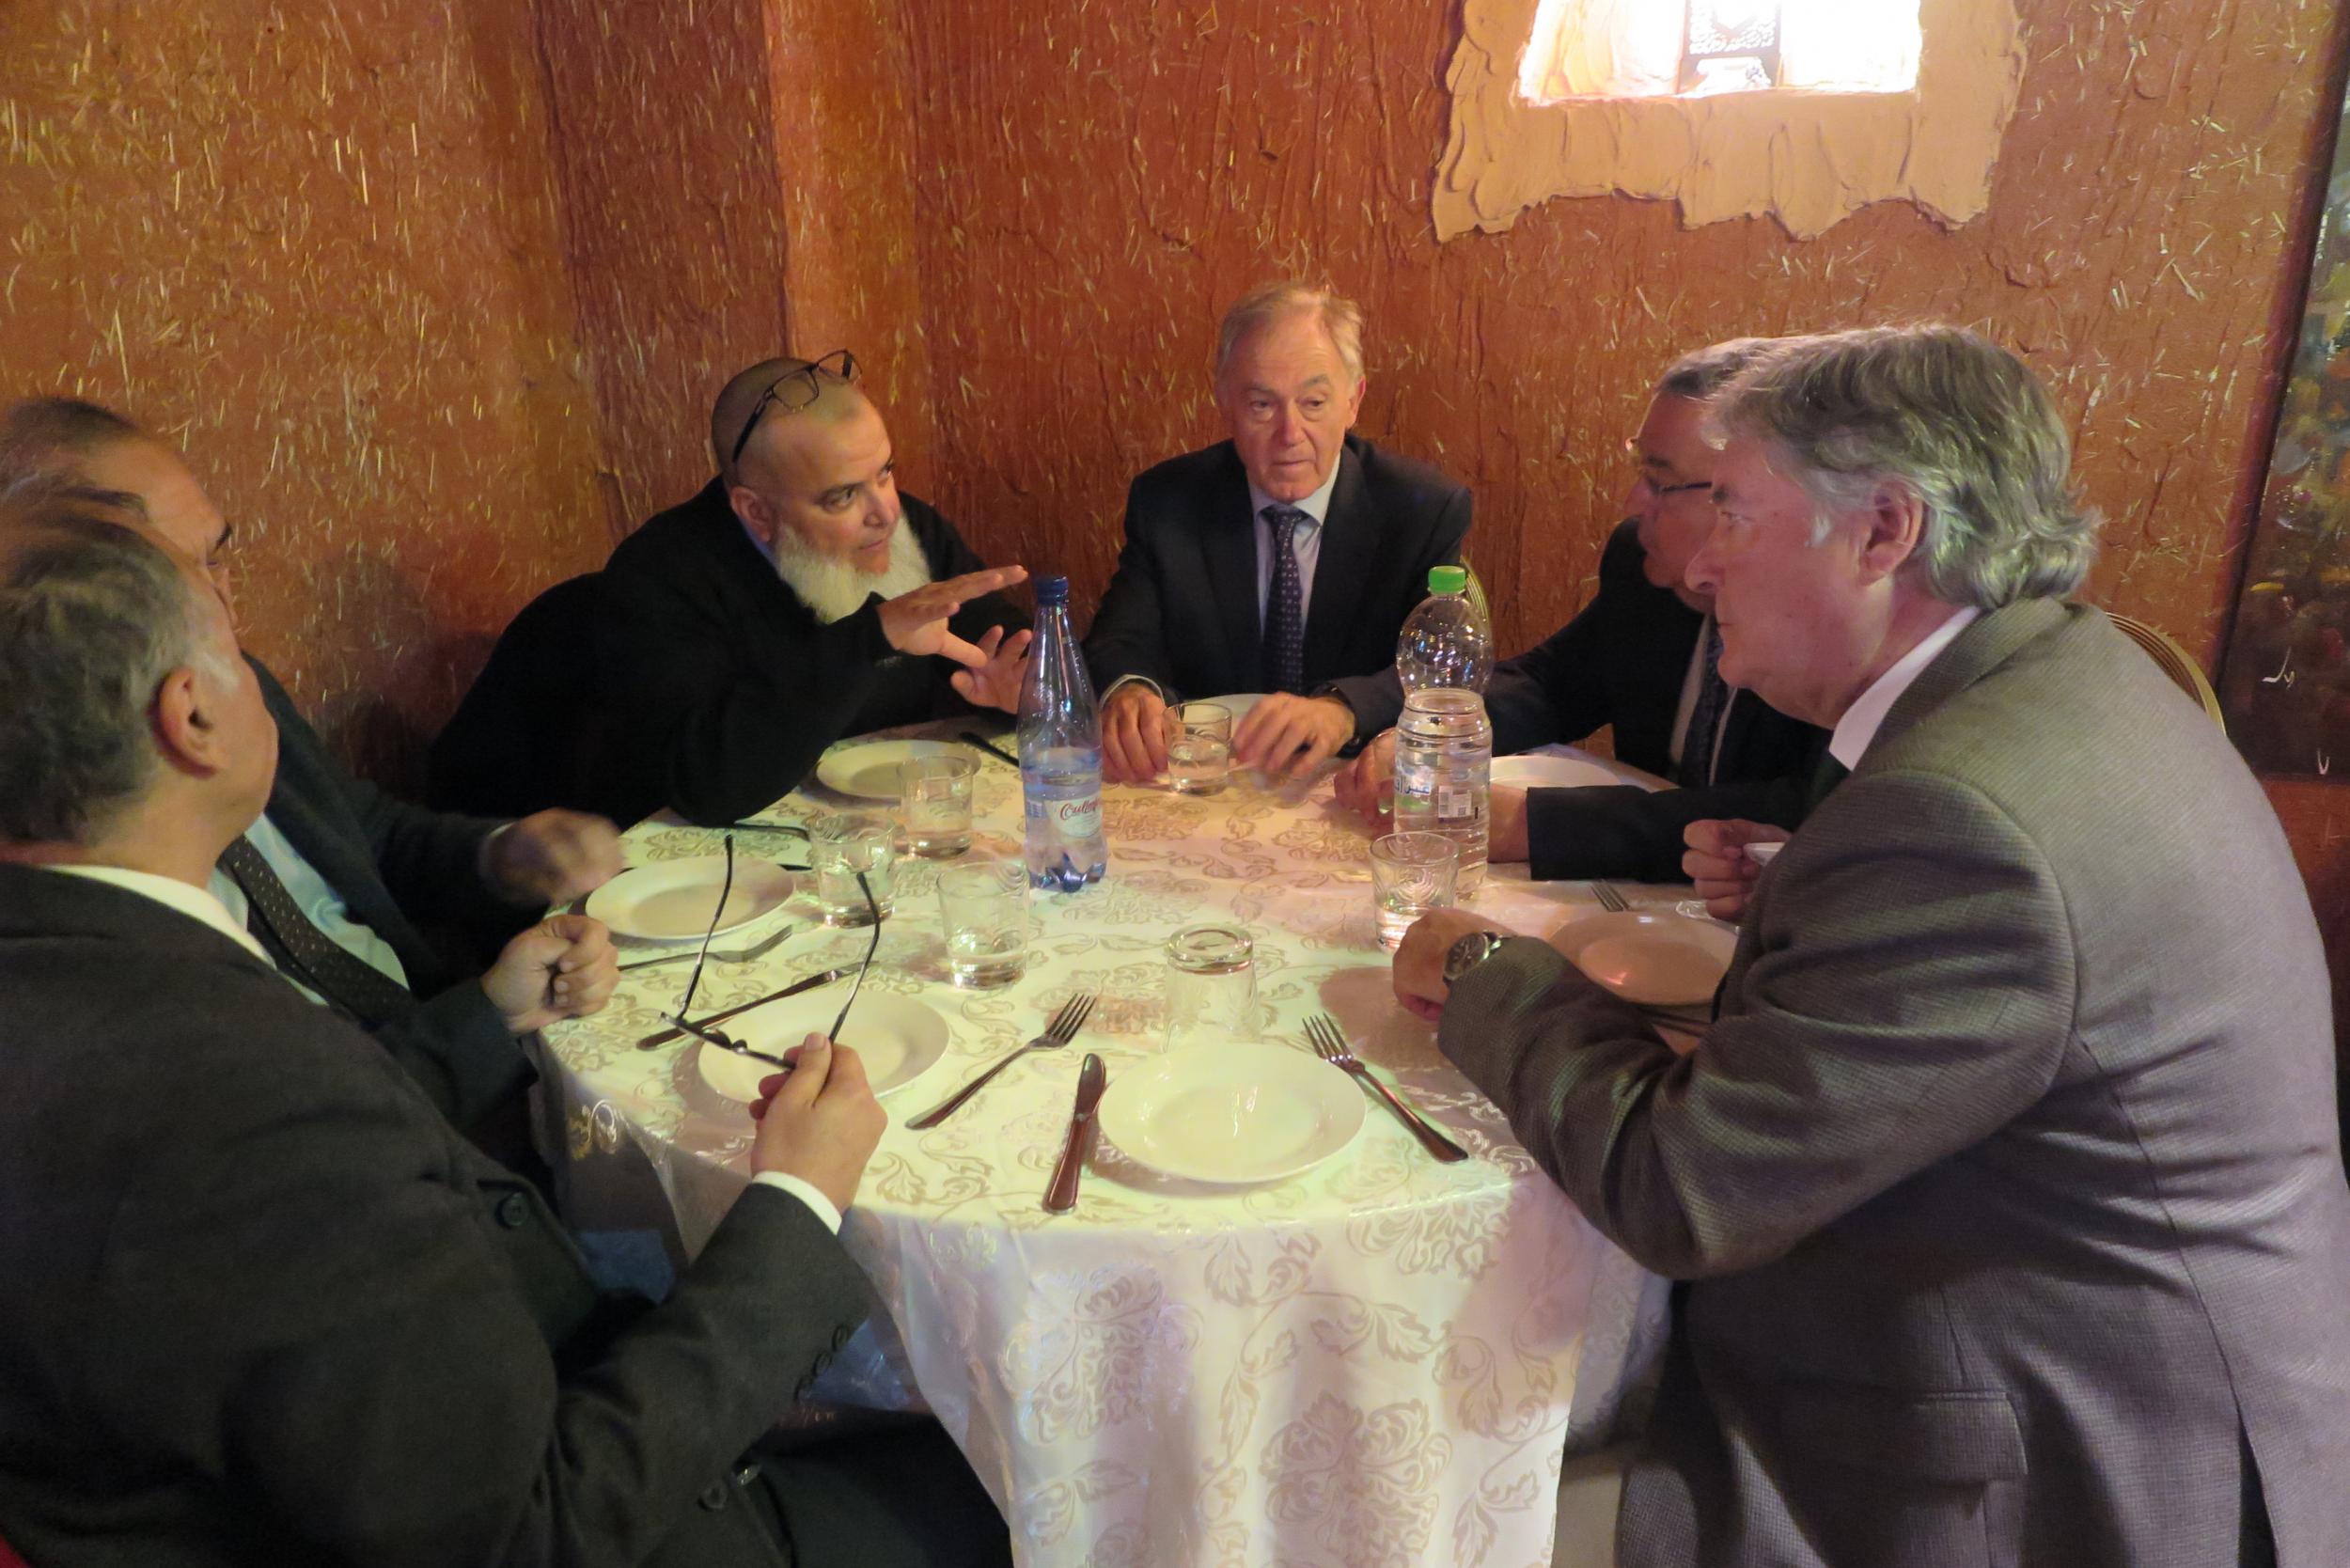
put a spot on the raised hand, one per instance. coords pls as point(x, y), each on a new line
point(563, 967)
point(915, 621)
point(996, 683)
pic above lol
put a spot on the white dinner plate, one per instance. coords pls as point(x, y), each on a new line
point(1232, 1112)
point(869, 769)
point(670, 900)
point(1647, 955)
point(1536, 772)
point(897, 1038)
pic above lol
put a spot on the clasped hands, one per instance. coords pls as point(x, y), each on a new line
point(1284, 734)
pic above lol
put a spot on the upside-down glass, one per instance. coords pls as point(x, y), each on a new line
point(1198, 747)
point(1210, 986)
point(1411, 873)
point(935, 804)
point(838, 847)
point(985, 907)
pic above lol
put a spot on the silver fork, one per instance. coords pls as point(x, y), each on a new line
point(1321, 1032)
point(1060, 1033)
point(757, 949)
point(1608, 898)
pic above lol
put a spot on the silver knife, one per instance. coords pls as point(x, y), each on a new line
point(807, 983)
point(1061, 1196)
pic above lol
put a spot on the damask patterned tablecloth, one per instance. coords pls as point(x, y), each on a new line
point(1380, 1361)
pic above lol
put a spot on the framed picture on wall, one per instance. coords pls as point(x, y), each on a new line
point(2286, 683)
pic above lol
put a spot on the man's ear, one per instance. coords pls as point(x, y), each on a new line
point(757, 516)
point(1896, 526)
point(187, 728)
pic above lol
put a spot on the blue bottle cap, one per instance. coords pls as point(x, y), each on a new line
point(1052, 590)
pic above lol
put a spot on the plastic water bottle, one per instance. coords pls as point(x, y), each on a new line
point(1444, 753)
point(1060, 753)
point(1446, 642)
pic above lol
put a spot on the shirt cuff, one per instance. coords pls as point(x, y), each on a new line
point(806, 1191)
point(1138, 681)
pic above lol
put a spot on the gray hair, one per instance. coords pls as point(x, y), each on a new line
point(40, 435)
point(1342, 318)
point(92, 618)
point(1701, 372)
point(1947, 414)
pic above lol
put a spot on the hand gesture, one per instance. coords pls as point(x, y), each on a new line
point(916, 622)
point(820, 1122)
point(1134, 735)
point(550, 857)
point(563, 967)
point(1718, 862)
point(1364, 785)
point(1286, 734)
point(997, 681)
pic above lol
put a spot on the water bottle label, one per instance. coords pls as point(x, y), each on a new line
point(1455, 805)
point(1073, 820)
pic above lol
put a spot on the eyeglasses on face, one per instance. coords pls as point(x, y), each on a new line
point(794, 390)
point(1631, 451)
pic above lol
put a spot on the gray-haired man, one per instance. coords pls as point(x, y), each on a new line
point(2006, 1182)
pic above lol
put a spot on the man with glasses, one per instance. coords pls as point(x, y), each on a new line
point(1640, 657)
point(797, 599)
point(1284, 560)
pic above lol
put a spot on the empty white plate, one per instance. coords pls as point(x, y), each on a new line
point(1232, 1112)
point(896, 1037)
point(1650, 956)
point(672, 900)
point(869, 769)
point(1536, 772)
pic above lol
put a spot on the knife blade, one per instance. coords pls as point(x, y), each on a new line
point(808, 982)
point(1061, 1196)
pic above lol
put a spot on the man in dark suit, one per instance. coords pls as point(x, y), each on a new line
point(337, 877)
point(797, 599)
point(258, 1303)
point(1641, 657)
point(1284, 560)
point(2006, 1185)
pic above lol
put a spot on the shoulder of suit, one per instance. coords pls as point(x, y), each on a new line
point(1209, 464)
point(699, 527)
point(1393, 471)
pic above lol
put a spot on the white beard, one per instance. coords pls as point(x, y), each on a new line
point(835, 589)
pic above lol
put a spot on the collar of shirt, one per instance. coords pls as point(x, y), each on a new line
point(1861, 721)
point(1316, 506)
point(188, 899)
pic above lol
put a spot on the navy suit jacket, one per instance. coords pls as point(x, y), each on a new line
point(1183, 609)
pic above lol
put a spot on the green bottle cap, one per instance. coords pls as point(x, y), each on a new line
point(1448, 579)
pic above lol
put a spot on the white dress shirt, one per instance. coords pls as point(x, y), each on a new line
point(1862, 720)
point(1306, 544)
point(314, 896)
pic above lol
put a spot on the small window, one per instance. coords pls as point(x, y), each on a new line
point(1700, 48)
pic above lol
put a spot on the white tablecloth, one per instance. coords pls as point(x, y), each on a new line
point(1378, 1362)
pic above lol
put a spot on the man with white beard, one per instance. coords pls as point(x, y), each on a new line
point(797, 599)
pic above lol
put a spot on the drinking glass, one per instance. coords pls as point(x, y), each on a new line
point(985, 907)
point(1198, 747)
point(838, 847)
point(1411, 873)
point(935, 804)
point(1210, 986)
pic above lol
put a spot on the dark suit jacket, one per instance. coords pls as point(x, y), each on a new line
point(722, 689)
point(258, 1304)
point(1183, 611)
point(2007, 1181)
point(1621, 662)
point(395, 865)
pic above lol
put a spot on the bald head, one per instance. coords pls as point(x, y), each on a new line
point(817, 391)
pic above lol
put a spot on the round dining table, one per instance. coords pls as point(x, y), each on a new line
point(1382, 1359)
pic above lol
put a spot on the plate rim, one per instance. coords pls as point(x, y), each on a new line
point(946, 1028)
point(829, 768)
point(790, 886)
point(1645, 918)
point(1349, 1093)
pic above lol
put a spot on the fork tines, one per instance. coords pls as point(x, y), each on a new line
point(1608, 898)
point(1071, 1018)
point(1321, 1032)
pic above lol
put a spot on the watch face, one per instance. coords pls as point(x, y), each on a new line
point(1467, 953)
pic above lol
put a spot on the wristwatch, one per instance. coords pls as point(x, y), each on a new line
point(1468, 952)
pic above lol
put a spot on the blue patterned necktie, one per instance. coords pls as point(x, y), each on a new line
point(1284, 651)
point(1697, 746)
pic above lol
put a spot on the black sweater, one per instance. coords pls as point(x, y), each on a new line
point(721, 686)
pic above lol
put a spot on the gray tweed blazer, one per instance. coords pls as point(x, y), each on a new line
point(2007, 1185)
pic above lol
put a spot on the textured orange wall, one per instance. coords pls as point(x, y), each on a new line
point(313, 244)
